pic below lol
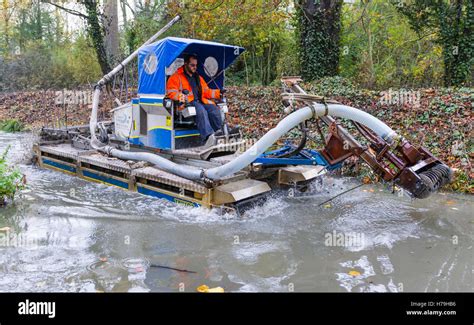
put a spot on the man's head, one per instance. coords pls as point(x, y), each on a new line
point(190, 63)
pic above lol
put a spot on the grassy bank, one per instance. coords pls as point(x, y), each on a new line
point(12, 125)
point(11, 180)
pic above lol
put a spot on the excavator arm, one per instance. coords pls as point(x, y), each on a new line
point(416, 170)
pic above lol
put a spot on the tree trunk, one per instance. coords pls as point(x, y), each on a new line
point(38, 22)
point(319, 26)
point(6, 31)
point(123, 7)
point(96, 33)
point(111, 31)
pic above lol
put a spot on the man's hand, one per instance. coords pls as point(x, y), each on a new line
point(181, 98)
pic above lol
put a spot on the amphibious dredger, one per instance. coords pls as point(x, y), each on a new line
point(153, 148)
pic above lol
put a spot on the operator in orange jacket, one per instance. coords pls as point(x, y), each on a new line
point(208, 116)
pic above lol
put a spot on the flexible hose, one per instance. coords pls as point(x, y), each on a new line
point(188, 172)
point(296, 150)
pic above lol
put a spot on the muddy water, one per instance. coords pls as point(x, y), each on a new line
point(67, 234)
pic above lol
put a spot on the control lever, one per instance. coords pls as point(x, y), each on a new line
point(188, 109)
point(185, 93)
point(224, 109)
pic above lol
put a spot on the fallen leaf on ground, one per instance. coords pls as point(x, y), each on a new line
point(205, 289)
point(354, 273)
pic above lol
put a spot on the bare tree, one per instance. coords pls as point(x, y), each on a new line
point(111, 31)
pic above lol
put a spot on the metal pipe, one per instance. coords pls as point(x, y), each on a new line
point(95, 143)
point(185, 171)
point(263, 144)
point(366, 155)
point(291, 121)
point(343, 111)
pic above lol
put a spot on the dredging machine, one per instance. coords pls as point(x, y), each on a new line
point(152, 147)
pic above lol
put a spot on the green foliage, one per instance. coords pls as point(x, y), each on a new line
point(11, 126)
point(378, 44)
point(380, 50)
point(82, 62)
point(288, 63)
point(11, 179)
point(333, 87)
point(34, 23)
point(44, 67)
point(147, 21)
point(319, 27)
point(261, 27)
point(453, 23)
point(96, 32)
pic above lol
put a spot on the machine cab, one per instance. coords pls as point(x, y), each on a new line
point(153, 120)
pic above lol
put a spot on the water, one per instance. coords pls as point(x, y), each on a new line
point(67, 234)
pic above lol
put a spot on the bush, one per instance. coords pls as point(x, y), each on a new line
point(43, 66)
point(11, 180)
point(11, 126)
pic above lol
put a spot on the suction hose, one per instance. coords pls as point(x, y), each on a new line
point(245, 159)
point(185, 171)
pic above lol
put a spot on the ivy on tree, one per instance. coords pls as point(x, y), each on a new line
point(319, 29)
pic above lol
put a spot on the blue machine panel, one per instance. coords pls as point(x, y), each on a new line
point(186, 133)
point(153, 59)
point(59, 165)
point(173, 199)
point(160, 138)
point(104, 179)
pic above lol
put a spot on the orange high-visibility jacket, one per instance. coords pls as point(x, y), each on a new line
point(178, 82)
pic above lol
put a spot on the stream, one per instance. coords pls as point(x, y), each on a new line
point(63, 233)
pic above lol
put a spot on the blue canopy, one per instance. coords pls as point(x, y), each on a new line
point(158, 60)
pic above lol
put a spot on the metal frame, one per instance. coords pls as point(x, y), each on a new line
point(304, 157)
